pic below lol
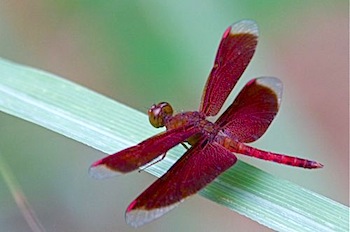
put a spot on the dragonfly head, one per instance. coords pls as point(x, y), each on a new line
point(158, 113)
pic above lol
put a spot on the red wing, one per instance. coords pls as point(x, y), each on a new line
point(235, 51)
point(251, 113)
point(193, 171)
point(134, 157)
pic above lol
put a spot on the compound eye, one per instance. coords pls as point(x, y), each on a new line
point(153, 116)
point(158, 113)
point(166, 109)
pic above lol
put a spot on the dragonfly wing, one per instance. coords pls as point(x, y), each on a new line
point(236, 49)
point(251, 113)
point(134, 157)
point(193, 171)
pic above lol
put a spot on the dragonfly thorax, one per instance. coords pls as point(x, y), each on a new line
point(158, 114)
point(189, 119)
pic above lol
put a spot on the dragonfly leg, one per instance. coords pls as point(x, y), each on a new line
point(185, 146)
point(152, 163)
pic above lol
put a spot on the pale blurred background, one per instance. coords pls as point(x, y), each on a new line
point(143, 52)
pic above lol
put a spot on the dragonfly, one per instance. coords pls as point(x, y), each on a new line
point(213, 145)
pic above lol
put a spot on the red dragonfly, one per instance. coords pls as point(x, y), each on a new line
point(213, 145)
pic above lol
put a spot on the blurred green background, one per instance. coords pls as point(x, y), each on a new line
point(143, 52)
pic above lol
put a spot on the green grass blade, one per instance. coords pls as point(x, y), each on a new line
point(84, 115)
point(18, 195)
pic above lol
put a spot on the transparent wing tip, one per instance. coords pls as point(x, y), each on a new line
point(274, 84)
point(100, 170)
point(245, 26)
point(139, 217)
